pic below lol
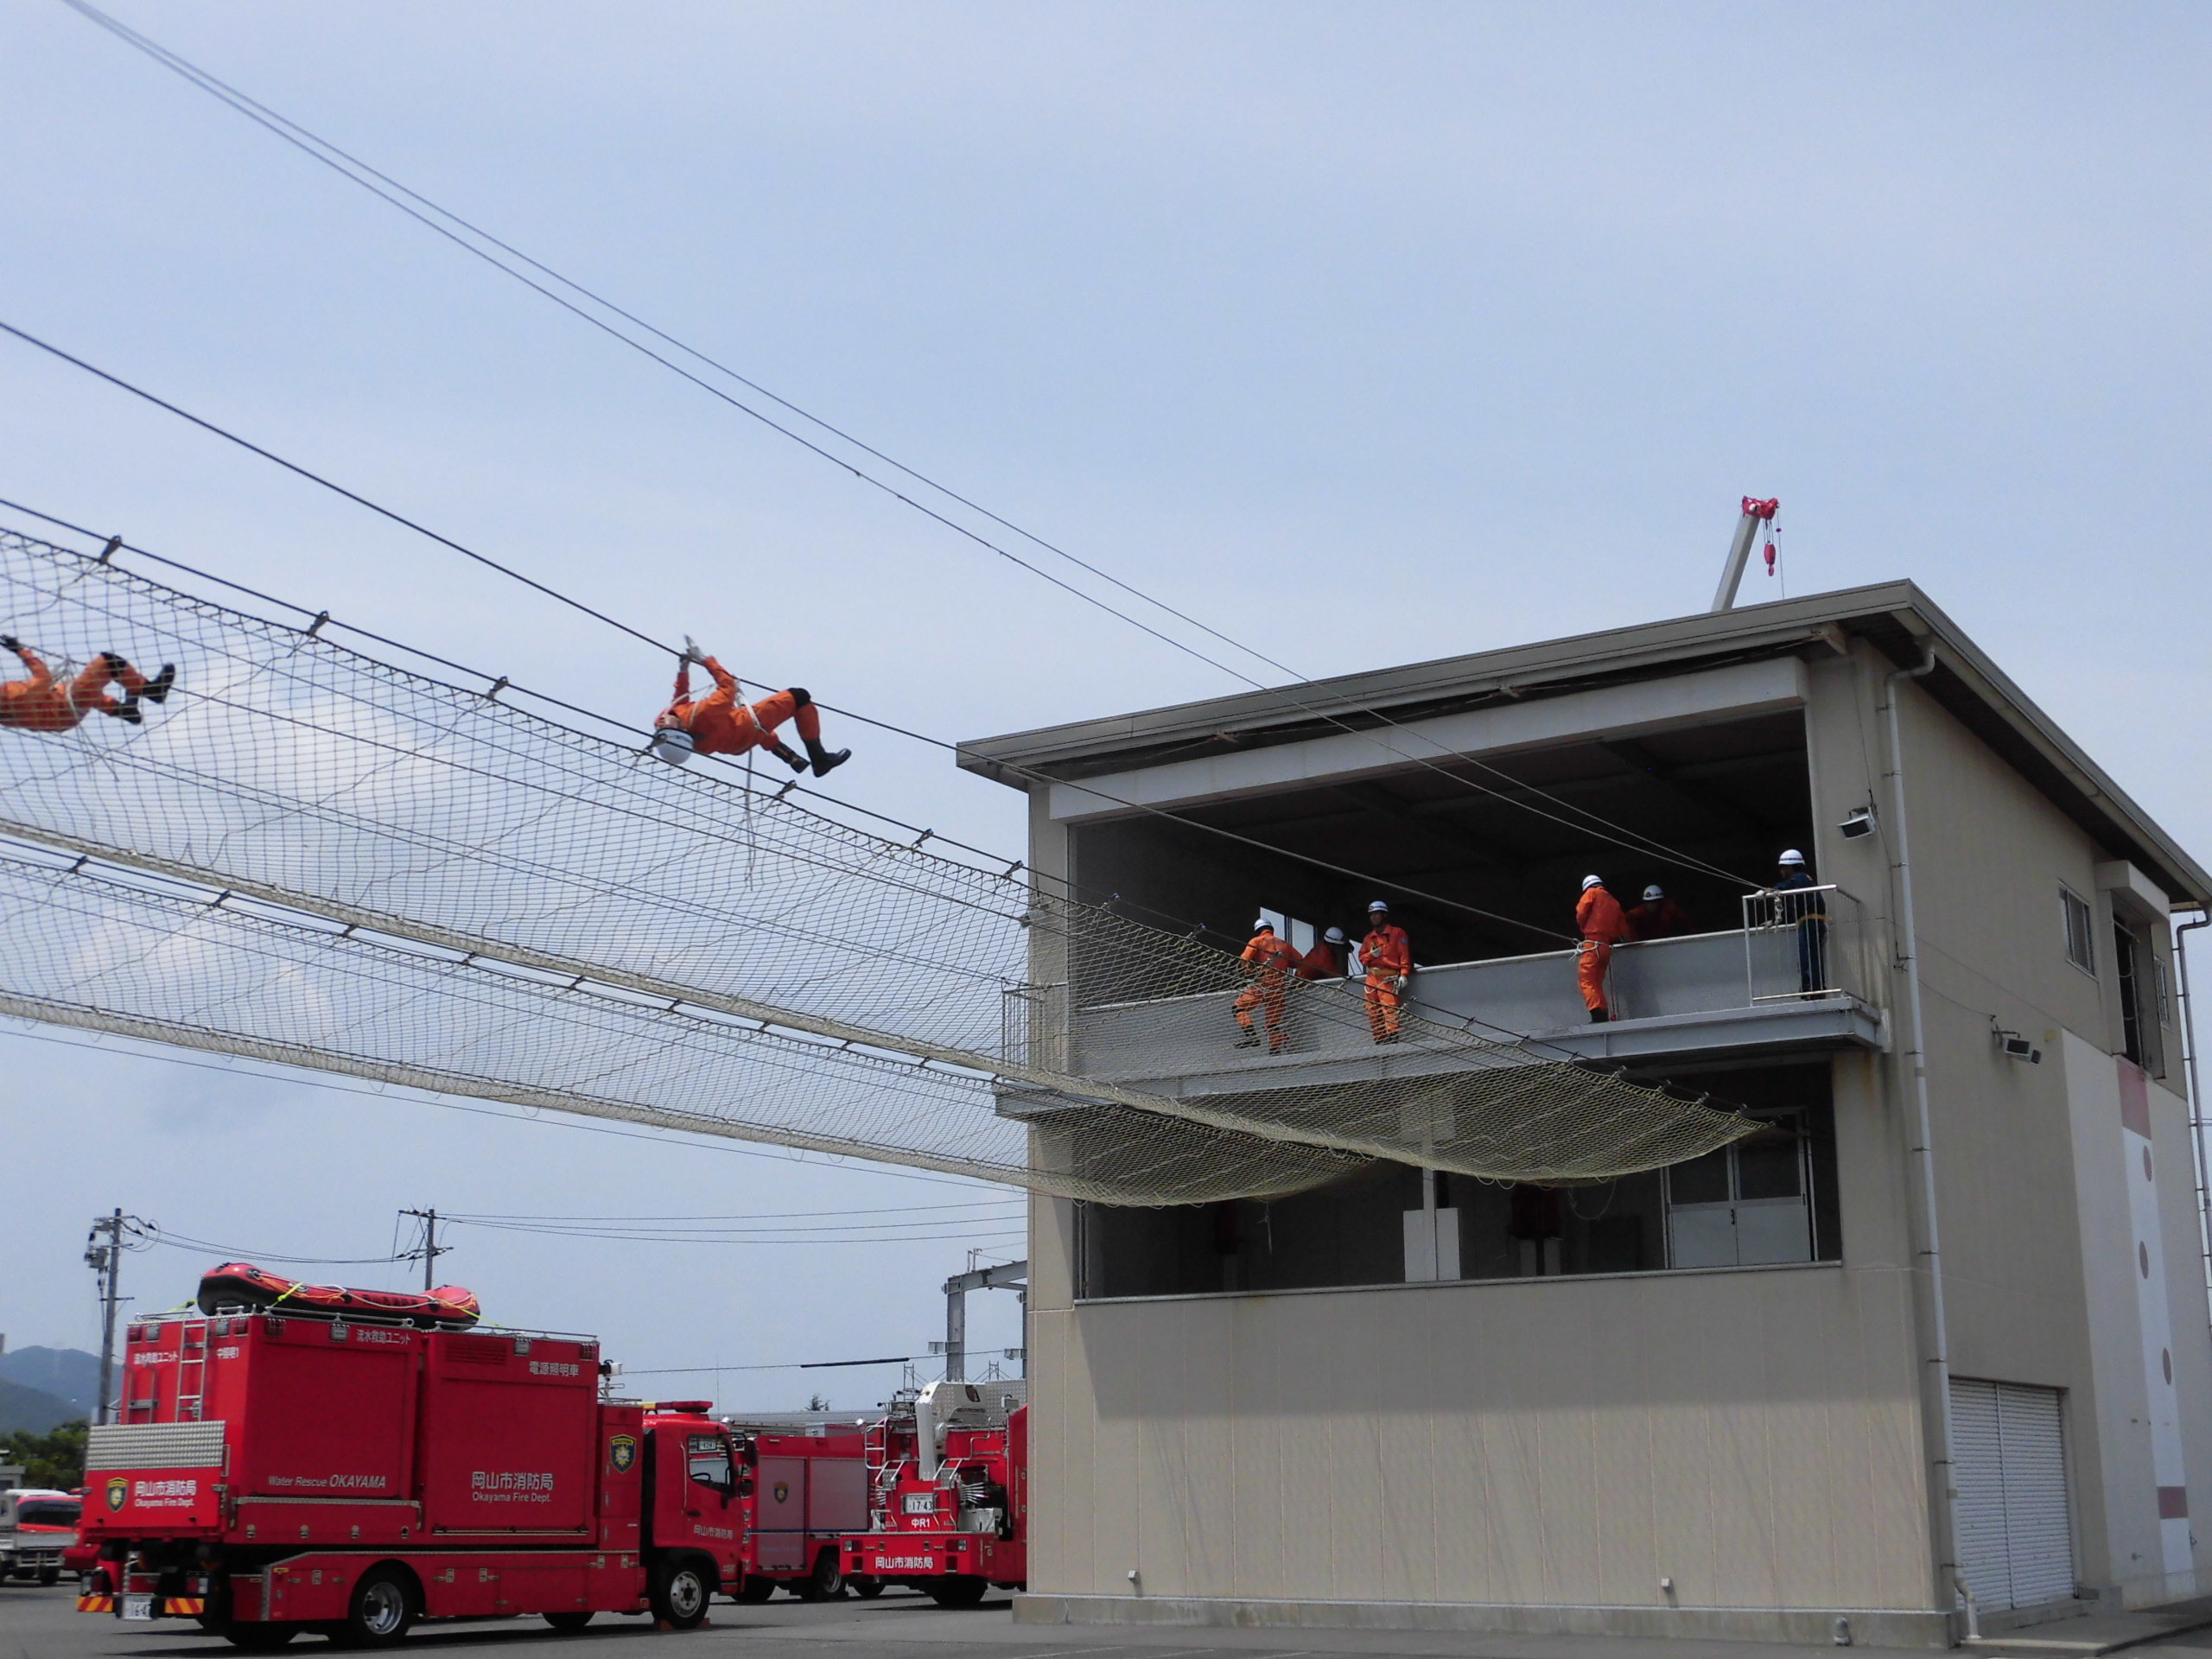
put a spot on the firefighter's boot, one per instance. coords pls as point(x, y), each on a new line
point(795, 762)
point(157, 689)
point(127, 712)
point(825, 760)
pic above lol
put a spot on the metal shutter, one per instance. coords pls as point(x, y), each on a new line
point(2037, 1535)
point(2016, 1544)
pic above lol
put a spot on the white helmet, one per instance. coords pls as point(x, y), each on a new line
point(1653, 892)
point(1791, 856)
point(1264, 925)
point(1335, 936)
point(1590, 881)
point(1377, 905)
point(674, 744)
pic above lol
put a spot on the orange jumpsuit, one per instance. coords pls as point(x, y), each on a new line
point(1273, 960)
point(719, 724)
point(1388, 956)
point(1598, 917)
point(1323, 961)
point(1658, 919)
point(43, 704)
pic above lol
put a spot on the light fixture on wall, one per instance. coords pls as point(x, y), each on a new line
point(1861, 824)
point(2013, 1046)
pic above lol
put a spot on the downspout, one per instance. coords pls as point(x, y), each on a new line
point(2196, 1096)
point(1921, 1192)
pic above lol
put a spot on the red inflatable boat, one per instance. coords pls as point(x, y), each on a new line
point(240, 1284)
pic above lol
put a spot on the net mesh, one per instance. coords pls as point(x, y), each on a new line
point(292, 771)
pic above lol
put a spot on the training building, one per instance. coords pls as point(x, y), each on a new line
point(1930, 1346)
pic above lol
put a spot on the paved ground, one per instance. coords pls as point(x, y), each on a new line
point(41, 1623)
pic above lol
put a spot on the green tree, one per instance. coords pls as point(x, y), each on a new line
point(55, 1459)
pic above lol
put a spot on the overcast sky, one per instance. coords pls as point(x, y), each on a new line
point(1369, 333)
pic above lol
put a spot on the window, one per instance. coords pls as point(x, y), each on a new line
point(707, 1461)
point(2139, 1016)
point(1299, 935)
point(2080, 947)
point(1748, 1205)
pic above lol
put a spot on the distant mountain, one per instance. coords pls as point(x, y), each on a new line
point(32, 1410)
point(68, 1374)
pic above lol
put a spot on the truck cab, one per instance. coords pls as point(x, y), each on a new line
point(37, 1525)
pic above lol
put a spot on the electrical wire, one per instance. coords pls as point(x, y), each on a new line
point(240, 1253)
point(323, 151)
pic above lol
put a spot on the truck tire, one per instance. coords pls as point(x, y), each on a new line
point(826, 1582)
point(682, 1587)
point(865, 1586)
point(383, 1607)
point(569, 1623)
point(50, 1575)
point(956, 1590)
point(755, 1589)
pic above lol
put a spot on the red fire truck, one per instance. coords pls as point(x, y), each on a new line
point(949, 1497)
point(277, 1472)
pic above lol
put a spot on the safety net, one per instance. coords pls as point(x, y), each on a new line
point(291, 770)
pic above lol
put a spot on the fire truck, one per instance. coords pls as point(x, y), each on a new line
point(948, 1496)
point(348, 1472)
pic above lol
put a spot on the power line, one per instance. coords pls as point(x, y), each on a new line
point(323, 151)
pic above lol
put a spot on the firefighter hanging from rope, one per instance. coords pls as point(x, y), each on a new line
point(44, 703)
point(718, 723)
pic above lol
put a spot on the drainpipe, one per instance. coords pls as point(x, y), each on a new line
point(1922, 1191)
point(2196, 1096)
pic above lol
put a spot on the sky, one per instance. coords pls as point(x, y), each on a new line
point(1365, 334)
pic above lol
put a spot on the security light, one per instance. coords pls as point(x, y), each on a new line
point(1858, 825)
point(2013, 1046)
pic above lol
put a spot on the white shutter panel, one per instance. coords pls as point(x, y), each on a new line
point(2038, 1539)
point(1978, 1472)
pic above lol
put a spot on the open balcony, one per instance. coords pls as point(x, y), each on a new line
point(1799, 975)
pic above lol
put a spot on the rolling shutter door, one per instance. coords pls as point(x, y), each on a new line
point(2037, 1534)
point(2015, 1538)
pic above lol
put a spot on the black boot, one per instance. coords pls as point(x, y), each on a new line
point(824, 760)
point(1249, 1039)
point(785, 755)
point(128, 712)
point(157, 689)
point(1600, 1017)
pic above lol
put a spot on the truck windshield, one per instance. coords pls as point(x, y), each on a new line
point(48, 1512)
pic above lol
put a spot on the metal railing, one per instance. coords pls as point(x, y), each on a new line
point(1033, 1026)
point(1804, 942)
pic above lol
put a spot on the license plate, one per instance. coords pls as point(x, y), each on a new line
point(137, 1606)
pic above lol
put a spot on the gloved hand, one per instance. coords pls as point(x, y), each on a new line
point(9, 642)
point(691, 651)
point(1398, 985)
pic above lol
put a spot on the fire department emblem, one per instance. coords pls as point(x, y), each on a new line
point(119, 1490)
point(783, 1492)
point(622, 1451)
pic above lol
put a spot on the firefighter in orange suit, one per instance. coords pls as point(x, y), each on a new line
point(719, 724)
point(43, 704)
point(1326, 959)
point(1387, 956)
point(1597, 917)
point(1271, 961)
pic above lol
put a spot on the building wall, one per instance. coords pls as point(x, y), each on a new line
point(2039, 1236)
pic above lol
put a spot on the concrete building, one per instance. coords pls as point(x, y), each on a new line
point(1793, 1383)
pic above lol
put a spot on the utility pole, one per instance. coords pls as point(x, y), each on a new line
point(106, 1259)
point(431, 1250)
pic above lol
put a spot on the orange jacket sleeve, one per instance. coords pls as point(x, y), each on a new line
point(724, 680)
point(41, 674)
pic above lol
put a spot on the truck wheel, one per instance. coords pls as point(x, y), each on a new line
point(956, 1590)
point(569, 1623)
point(50, 1575)
point(382, 1610)
point(864, 1586)
point(826, 1582)
point(756, 1590)
point(682, 1589)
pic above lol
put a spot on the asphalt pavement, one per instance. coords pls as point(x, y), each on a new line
point(43, 1623)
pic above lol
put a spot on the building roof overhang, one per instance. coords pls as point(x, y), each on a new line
point(1896, 618)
